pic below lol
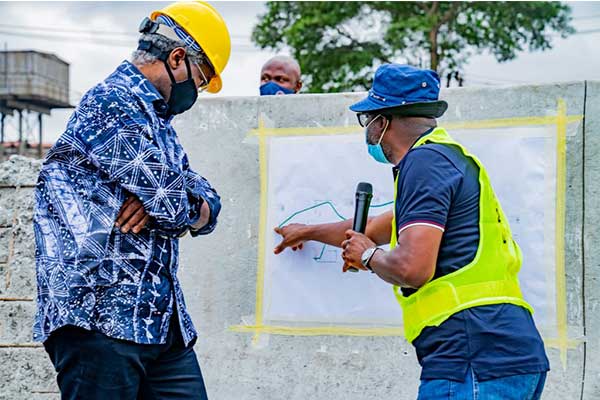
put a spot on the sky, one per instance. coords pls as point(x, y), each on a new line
point(63, 28)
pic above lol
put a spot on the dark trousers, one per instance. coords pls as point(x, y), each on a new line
point(92, 366)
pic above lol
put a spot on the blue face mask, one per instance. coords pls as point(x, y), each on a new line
point(271, 88)
point(375, 150)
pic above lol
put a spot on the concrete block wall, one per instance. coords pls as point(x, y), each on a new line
point(219, 271)
point(25, 370)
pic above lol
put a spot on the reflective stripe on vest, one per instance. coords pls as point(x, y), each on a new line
point(491, 278)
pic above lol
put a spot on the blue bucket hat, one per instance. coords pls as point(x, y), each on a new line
point(401, 87)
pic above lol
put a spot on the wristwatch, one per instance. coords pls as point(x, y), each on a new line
point(367, 255)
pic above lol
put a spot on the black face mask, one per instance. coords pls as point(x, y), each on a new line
point(183, 94)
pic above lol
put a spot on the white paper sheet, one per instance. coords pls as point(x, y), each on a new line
point(313, 180)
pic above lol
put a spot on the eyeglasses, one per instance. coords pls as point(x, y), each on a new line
point(365, 119)
point(205, 81)
point(362, 119)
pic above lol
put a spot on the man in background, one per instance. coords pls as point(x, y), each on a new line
point(114, 195)
point(280, 75)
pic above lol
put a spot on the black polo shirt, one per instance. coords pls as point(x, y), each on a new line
point(439, 186)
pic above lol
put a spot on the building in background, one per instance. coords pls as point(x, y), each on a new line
point(32, 83)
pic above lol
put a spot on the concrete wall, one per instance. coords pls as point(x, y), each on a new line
point(219, 271)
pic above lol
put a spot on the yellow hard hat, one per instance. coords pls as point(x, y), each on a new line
point(203, 23)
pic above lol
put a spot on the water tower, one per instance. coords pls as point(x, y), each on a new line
point(32, 83)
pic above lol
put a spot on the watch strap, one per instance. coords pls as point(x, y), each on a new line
point(370, 258)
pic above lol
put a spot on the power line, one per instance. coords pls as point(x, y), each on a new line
point(71, 35)
point(65, 30)
point(60, 38)
point(99, 41)
point(83, 31)
point(123, 35)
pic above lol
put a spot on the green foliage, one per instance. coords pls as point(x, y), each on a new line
point(339, 44)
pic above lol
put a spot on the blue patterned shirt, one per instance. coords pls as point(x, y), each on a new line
point(118, 142)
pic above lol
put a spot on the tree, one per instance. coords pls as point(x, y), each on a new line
point(339, 44)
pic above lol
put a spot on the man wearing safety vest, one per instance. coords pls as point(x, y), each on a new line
point(114, 195)
point(453, 261)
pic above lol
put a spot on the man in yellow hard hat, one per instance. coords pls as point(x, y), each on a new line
point(114, 195)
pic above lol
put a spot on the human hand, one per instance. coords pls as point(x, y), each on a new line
point(204, 217)
point(132, 216)
point(353, 248)
point(293, 237)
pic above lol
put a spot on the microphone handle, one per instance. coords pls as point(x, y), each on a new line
point(361, 213)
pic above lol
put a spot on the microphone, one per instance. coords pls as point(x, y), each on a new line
point(364, 194)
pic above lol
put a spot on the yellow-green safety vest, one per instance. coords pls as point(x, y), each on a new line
point(491, 278)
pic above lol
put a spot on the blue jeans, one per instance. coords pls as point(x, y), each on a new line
point(92, 366)
point(516, 387)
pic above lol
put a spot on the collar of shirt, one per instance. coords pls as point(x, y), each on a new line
point(143, 88)
point(396, 167)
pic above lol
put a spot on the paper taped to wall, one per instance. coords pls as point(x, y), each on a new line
point(311, 179)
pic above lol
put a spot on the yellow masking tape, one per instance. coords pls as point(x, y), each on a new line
point(561, 175)
point(262, 229)
point(318, 331)
point(561, 120)
point(353, 331)
point(261, 131)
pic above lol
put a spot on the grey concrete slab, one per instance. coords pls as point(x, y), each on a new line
point(218, 304)
point(218, 272)
point(19, 171)
point(591, 248)
point(16, 320)
point(26, 374)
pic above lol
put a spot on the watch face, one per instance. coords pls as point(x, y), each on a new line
point(366, 255)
